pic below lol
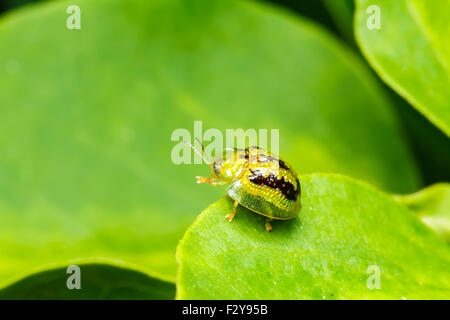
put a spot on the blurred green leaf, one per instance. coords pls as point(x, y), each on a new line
point(342, 13)
point(432, 205)
point(98, 281)
point(431, 146)
point(86, 118)
point(411, 52)
point(11, 4)
point(314, 10)
point(343, 229)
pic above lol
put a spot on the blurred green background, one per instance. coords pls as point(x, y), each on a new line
point(86, 119)
point(431, 146)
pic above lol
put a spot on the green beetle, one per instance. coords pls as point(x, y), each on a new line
point(258, 181)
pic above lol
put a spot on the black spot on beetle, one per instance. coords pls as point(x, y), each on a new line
point(271, 181)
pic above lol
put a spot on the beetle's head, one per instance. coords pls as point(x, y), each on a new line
point(225, 168)
point(229, 165)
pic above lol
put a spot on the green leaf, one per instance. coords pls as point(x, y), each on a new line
point(86, 118)
point(411, 52)
point(431, 145)
point(345, 231)
point(342, 13)
point(97, 281)
point(432, 205)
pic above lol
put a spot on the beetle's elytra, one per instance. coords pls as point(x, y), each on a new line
point(258, 181)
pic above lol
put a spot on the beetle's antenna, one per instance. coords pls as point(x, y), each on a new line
point(201, 154)
point(203, 151)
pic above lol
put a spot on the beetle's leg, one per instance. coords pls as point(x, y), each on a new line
point(268, 225)
point(209, 180)
point(232, 214)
